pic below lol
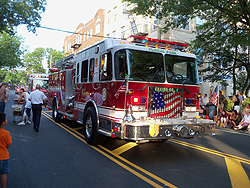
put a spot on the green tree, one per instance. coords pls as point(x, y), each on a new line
point(33, 60)
point(53, 55)
point(15, 77)
point(224, 37)
point(14, 13)
point(10, 50)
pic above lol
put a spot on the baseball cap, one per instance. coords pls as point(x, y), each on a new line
point(3, 83)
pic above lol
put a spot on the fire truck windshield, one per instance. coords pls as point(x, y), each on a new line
point(141, 66)
point(181, 70)
point(43, 83)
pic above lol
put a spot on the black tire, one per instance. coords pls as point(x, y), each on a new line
point(55, 115)
point(90, 127)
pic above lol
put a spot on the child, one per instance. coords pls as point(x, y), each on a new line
point(5, 141)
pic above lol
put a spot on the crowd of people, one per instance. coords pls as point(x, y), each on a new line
point(236, 119)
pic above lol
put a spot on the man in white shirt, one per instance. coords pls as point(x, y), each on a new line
point(37, 99)
point(205, 100)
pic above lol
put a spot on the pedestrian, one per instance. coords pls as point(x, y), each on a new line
point(245, 109)
point(221, 100)
point(240, 101)
point(3, 96)
point(236, 102)
point(37, 99)
point(5, 142)
point(205, 100)
point(234, 119)
point(245, 122)
point(211, 109)
point(27, 108)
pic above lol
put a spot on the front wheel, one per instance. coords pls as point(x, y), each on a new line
point(90, 127)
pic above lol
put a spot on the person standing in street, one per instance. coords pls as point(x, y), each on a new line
point(5, 142)
point(27, 107)
point(37, 99)
point(221, 100)
point(3, 96)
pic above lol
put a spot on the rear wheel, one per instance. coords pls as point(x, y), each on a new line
point(90, 127)
point(55, 114)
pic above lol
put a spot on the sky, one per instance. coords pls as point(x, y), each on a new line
point(63, 15)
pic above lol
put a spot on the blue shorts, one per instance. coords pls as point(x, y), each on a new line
point(4, 166)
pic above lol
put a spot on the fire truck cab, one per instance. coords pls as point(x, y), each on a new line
point(139, 89)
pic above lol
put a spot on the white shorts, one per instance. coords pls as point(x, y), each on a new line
point(26, 112)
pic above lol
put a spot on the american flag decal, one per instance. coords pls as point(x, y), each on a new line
point(121, 89)
point(165, 104)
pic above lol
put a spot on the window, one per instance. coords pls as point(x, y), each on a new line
point(133, 27)
point(91, 69)
point(91, 31)
point(181, 70)
point(84, 36)
point(145, 28)
point(87, 34)
point(123, 32)
point(143, 66)
point(121, 69)
point(114, 34)
point(77, 73)
point(97, 28)
point(84, 73)
point(115, 17)
point(181, 26)
point(106, 67)
point(199, 22)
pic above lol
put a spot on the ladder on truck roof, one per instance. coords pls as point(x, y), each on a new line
point(65, 62)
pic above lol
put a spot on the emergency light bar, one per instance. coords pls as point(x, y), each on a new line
point(161, 44)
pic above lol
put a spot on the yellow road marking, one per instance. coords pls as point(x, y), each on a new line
point(218, 153)
point(237, 174)
point(77, 128)
point(124, 148)
point(139, 168)
point(72, 132)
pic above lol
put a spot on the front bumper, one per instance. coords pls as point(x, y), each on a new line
point(155, 129)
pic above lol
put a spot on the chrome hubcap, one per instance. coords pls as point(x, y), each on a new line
point(88, 126)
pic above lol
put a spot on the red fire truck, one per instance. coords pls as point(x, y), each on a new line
point(37, 78)
point(139, 89)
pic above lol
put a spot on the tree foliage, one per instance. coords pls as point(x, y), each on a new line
point(10, 51)
point(53, 55)
point(225, 37)
point(33, 61)
point(15, 12)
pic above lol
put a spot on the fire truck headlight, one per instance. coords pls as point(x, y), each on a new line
point(190, 109)
point(141, 108)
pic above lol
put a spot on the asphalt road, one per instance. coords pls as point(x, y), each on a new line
point(58, 156)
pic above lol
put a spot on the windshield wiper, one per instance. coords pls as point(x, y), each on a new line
point(149, 80)
point(187, 91)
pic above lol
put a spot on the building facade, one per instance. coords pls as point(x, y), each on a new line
point(85, 34)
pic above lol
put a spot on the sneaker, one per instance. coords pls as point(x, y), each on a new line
point(28, 122)
point(21, 123)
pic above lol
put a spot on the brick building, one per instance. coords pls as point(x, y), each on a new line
point(86, 34)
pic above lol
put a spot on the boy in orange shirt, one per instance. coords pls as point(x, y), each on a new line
point(5, 141)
